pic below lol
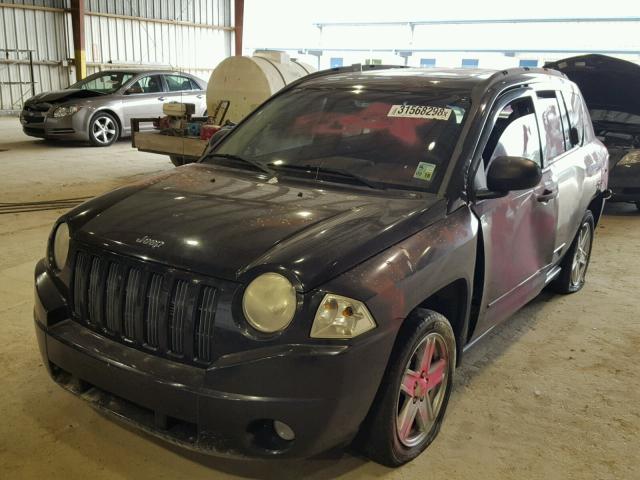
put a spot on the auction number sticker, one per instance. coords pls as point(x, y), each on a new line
point(419, 111)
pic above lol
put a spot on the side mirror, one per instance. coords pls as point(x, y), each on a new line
point(511, 173)
point(574, 136)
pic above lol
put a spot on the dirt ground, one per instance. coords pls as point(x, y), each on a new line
point(554, 393)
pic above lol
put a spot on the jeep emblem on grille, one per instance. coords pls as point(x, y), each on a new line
point(153, 243)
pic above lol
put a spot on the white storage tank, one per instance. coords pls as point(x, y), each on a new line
point(246, 82)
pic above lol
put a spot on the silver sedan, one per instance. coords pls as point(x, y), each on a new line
point(99, 108)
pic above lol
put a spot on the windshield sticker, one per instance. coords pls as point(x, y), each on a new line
point(424, 171)
point(419, 111)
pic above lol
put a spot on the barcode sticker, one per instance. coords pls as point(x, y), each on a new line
point(419, 111)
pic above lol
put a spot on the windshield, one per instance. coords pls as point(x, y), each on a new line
point(395, 140)
point(104, 83)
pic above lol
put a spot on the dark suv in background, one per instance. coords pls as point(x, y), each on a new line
point(317, 277)
point(611, 88)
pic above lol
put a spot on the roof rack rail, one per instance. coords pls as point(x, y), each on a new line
point(356, 67)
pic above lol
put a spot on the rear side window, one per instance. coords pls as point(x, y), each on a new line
point(178, 83)
point(551, 128)
point(576, 113)
point(515, 133)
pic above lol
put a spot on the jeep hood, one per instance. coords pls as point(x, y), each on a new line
point(230, 224)
point(606, 83)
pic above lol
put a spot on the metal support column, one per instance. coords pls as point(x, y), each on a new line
point(238, 23)
point(77, 23)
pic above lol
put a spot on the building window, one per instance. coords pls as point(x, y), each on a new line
point(529, 63)
point(336, 62)
point(428, 62)
point(469, 63)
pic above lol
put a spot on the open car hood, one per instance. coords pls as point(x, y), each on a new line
point(59, 96)
point(607, 83)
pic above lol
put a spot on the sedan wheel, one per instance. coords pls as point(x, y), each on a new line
point(104, 130)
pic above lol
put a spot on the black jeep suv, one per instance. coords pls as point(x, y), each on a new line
point(317, 276)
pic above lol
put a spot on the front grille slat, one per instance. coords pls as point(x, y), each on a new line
point(132, 291)
point(133, 302)
point(113, 301)
point(178, 312)
point(204, 328)
point(80, 285)
point(153, 311)
point(95, 294)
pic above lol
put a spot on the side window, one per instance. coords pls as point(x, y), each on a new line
point(552, 133)
point(148, 84)
point(194, 85)
point(515, 133)
point(565, 121)
point(178, 83)
point(576, 114)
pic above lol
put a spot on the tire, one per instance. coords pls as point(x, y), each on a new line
point(389, 435)
point(103, 129)
point(638, 205)
point(575, 263)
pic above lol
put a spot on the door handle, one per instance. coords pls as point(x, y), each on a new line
point(199, 96)
point(547, 194)
point(162, 99)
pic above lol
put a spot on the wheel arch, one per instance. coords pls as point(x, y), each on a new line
point(453, 301)
point(597, 206)
point(110, 112)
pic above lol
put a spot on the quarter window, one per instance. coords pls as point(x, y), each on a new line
point(576, 115)
point(552, 133)
point(514, 134)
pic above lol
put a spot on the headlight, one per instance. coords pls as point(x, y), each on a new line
point(269, 302)
point(341, 317)
point(630, 158)
point(60, 246)
point(65, 111)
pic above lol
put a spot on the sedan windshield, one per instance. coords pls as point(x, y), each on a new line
point(374, 138)
point(104, 83)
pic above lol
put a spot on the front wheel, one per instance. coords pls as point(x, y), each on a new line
point(103, 129)
point(410, 406)
point(576, 261)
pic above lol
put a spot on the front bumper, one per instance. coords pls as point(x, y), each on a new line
point(42, 125)
point(323, 392)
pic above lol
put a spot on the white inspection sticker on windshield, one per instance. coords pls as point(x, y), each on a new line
point(419, 111)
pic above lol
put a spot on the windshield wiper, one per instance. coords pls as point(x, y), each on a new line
point(335, 172)
point(238, 158)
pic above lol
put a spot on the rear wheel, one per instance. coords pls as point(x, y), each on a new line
point(103, 129)
point(576, 261)
point(414, 393)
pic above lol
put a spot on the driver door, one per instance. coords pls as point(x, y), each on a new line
point(519, 229)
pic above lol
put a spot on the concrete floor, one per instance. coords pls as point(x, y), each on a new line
point(553, 393)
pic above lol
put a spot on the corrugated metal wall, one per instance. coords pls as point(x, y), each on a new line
point(35, 25)
point(187, 35)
